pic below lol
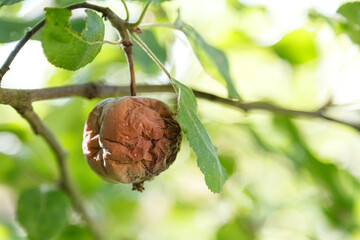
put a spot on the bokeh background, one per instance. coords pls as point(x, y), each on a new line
point(288, 178)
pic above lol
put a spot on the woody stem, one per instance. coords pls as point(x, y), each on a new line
point(128, 52)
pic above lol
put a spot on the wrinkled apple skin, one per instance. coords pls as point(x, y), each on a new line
point(131, 139)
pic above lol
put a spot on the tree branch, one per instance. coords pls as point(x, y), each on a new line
point(15, 97)
point(66, 184)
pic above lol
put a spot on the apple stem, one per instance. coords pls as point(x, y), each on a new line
point(128, 52)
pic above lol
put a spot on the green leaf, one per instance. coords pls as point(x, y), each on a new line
point(212, 59)
point(66, 48)
point(297, 47)
point(42, 214)
point(351, 12)
point(207, 158)
point(8, 2)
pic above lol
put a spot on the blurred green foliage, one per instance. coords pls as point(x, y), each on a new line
point(142, 60)
point(351, 12)
point(8, 2)
point(42, 214)
point(214, 61)
point(288, 178)
point(14, 29)
point(297, 47)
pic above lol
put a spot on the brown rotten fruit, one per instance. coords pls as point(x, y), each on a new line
point(131, 139)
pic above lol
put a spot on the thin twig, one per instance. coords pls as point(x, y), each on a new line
point(15, 97)
point(128, 52)
point(126, 10)
point(143, 45)
point(65, 181)
point(142, 15)
point(127, 46)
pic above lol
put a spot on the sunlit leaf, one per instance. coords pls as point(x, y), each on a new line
point(351, 12)
point(66, 48)
point(235, 4)
point(207, 158)
point(297, 47)
point(9, 2)
point(213, 60)
point(42, 214)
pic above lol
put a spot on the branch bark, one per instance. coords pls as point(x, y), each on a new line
point(16, 97)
